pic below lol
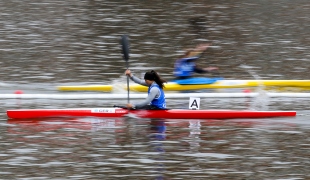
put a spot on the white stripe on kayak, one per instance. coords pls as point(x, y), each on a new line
point(141, 96)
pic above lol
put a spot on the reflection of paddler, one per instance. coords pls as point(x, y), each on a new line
point(185, 66)
point(158, 128)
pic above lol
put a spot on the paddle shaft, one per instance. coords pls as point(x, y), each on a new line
point(127, 66)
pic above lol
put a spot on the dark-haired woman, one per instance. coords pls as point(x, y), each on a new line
point(156, 96)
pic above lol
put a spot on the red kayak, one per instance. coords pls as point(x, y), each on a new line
point(165, 114)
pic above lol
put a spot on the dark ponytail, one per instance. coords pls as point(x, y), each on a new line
point(158, 79)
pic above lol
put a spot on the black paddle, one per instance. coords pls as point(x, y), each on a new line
point(125, 51)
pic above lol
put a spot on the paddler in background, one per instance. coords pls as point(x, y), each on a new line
point(156, 96)
point(185, 66)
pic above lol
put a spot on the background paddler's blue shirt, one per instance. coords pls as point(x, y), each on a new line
point(185, 66)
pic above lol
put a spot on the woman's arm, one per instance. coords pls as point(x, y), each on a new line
point(153, 93)
point(205, 70)
point(137, 80)
point(198, 50)
point(200, 70)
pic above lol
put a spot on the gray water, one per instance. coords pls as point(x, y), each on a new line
point(51, 43)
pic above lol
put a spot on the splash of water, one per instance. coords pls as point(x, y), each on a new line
point(261, 101)
point(119, 85)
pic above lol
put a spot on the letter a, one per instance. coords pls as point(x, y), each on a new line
point(194, 103)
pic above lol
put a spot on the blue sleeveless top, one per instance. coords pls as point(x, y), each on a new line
point(160, 101)
point(185, 66)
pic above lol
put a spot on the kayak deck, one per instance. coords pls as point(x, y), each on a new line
point(164, 114)
point(220, 84)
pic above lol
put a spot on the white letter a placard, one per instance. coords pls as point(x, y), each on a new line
point(194, 103)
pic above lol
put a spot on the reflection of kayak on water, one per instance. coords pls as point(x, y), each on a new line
point(51, 124)
point(57, 129)
point(199, 83)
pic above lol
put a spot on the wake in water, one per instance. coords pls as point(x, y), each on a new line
point(261, 101)
point(119, 85)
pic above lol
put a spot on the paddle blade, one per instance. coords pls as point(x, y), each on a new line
point(125, 51)
point(125, 47)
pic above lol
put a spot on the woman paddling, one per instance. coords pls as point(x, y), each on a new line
point(185, 66)
point(156, 96)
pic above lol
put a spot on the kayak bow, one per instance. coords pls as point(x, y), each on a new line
point(165, 114)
